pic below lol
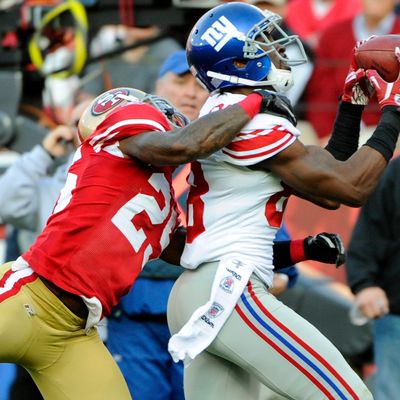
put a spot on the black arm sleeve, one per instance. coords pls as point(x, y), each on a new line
point(281, 251)
point(385, 136)
point(343, 142)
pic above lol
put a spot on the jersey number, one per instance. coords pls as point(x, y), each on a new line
point(275, 207)
point(195, 204)
point(138, 203)
point(143, 202)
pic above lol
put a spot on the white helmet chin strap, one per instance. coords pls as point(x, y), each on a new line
point(280, 79)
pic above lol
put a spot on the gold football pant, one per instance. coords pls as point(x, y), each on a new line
point(38, 332)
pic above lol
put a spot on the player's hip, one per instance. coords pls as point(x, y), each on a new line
point(25, 287)
point(31, 317)
point(264, 337)
point(192, 289)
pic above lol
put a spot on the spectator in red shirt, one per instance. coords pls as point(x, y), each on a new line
point(332, 58)
point(317, 15)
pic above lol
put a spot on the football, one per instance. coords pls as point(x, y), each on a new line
point(379, 53)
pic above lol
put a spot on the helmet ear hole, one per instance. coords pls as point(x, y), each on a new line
point(240, 63)
point(175, 118)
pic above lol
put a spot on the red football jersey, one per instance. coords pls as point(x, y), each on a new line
point(112, 216)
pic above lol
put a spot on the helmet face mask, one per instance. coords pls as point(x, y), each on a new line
point(240, 32)
point(175, 118)
point(263, 38)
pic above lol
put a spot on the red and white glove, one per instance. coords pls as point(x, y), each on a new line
point(356, 89)
point(387, 93)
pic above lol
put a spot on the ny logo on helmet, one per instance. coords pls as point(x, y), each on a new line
point(220, 33)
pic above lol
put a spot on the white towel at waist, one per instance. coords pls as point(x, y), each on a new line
point(230, 279)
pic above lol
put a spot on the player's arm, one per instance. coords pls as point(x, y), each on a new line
point(204, 136)
point(197, 140)
point(324, 247)
point(344, 139)
point(319, 201)
point(315, 172)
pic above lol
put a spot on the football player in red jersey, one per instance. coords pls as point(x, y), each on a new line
point(116, 211)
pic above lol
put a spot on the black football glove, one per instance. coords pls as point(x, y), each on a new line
point(276, 104)
point(325, 247)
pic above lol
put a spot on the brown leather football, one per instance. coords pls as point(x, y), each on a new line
point(378, 53)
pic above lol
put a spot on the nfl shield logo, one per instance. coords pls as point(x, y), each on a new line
point(227, 284)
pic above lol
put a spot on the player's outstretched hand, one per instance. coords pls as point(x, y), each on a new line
point(356, 89)
point(325, 247)
point(387, 93)
point(276, 104)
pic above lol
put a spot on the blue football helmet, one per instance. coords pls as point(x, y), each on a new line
point(232, 43)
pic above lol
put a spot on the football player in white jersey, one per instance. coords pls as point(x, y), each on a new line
point(230, 331)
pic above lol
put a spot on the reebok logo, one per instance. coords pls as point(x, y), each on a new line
point(235, 274)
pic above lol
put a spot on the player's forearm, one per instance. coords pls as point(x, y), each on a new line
point(319, 201)
point(213, 132)
point(367, 165)
point(197, 140)
point(283, 257)
point(343, 142)
point(324, 247)
point(362, 173)
point(349, 182)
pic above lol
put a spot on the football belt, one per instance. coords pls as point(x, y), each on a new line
point(79, 17)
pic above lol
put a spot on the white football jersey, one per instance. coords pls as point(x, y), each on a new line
point(232, 210)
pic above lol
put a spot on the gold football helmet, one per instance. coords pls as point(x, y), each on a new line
point(97, 111)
